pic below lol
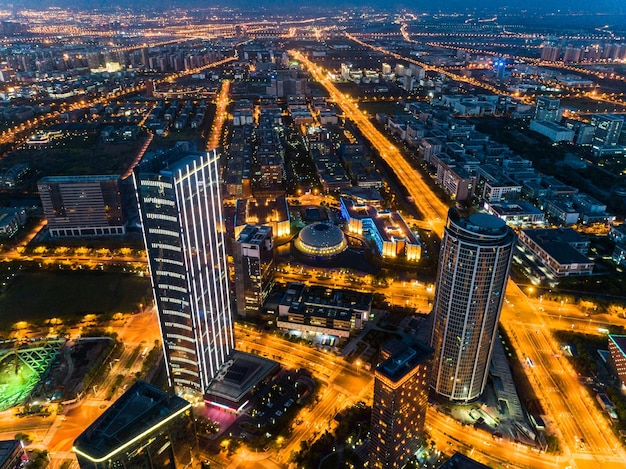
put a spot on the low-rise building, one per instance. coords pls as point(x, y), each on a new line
point(82, 205)
point(457, 181)
point(563, 210)
point(330, 171)
point(618, 233)
point(13, 176)
point(429, 147)
point(12, 454)
point(388, 230)
point(521, 214)
point(561, 250)
point(238, 379)
point(363, 196)
point(591, 210)
point(271, 211)
point(555, 132)
point(493, 185)
point(619, 254)
point(11, 220)
point(145, 427)
point(321, 310)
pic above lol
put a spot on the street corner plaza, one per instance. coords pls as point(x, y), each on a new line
point(22, 366)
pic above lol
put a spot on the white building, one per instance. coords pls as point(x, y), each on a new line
point(181, 212)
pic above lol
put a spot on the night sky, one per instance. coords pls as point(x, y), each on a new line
point(605, 6)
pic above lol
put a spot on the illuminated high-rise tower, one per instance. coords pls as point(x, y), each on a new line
point(474, 264)
point(399, 407)
point(181, 212)
point(254, 261)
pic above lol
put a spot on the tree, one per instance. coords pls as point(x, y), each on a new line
point(25, 437)
point(206, 426)
point(38, 459)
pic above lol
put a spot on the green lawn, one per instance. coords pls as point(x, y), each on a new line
point(37, 296)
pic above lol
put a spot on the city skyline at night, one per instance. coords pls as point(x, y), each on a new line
point(228, 231)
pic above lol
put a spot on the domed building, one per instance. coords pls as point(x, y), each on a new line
point(321, 240)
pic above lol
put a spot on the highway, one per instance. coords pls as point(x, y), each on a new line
point(429, 205)
point(220, 116)
point(425, 66)
point(450, 436)
point(583, 429)
point(344, 384)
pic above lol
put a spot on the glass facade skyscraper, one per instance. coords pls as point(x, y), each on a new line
point(181, 212)
point(474, 262)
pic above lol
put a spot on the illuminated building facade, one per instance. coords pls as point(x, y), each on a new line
point(82, 205)
point(181, 212)
point(399, 409)
point(474, 262)
point(254, 263)
point(267, 211)
point(617, 348)
point(321, 240)
point(12, 454)
point(388, 230)
point(144, 428)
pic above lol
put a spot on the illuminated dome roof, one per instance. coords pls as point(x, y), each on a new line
point(321, 240)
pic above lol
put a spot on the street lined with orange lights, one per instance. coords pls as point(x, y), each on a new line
point(424, 199)
point(345, 384)
point(220, 116)
point(584, 430)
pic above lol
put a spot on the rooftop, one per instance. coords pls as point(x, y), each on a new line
point(390, 225)
point(557, 243)
point(321, 236)
point(238, 376)
point(619, 341)
point(404, 361)
point(254, 234)
point(482, 224)
point(7, 449)
point(519, 208)
point(344, 299)
point(70, 179)
point(261, 210)
point(140, 410)
point(547, 235)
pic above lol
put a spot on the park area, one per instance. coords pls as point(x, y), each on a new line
point(36, 297)
point(21, 367)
